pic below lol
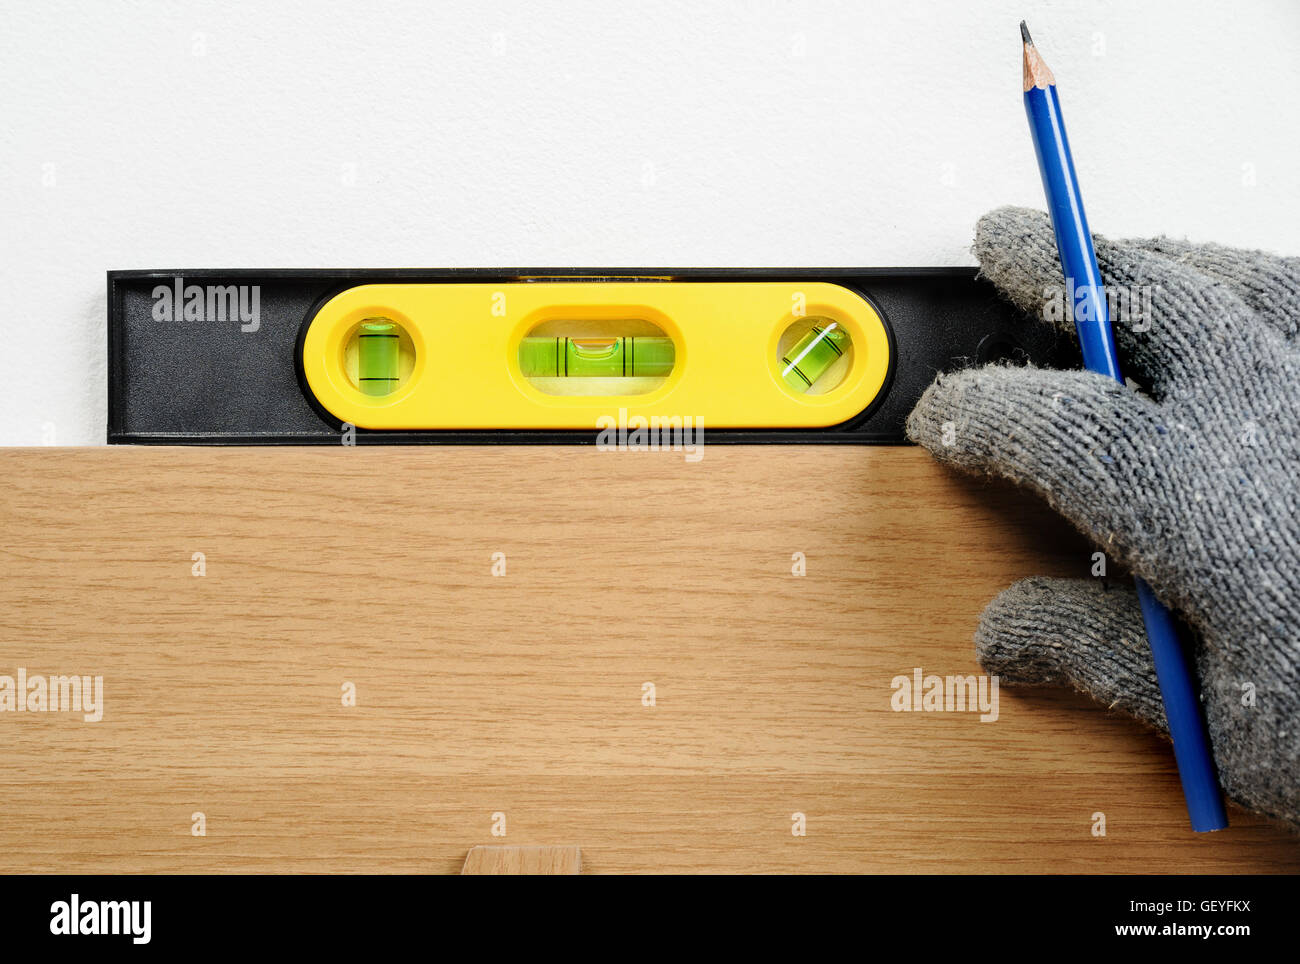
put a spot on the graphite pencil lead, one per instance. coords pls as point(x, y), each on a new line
point(1024, 33)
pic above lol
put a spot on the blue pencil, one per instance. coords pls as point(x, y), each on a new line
point(1092, 320)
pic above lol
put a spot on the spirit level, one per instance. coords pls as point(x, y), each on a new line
point(484, 355)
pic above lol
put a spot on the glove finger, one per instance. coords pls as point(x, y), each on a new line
point(1088, 634)
point(1268, 284)
point(1081, 440)
point(1077, 632)
point(1173, 326)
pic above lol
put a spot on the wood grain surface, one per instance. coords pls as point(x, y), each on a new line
point(522, 861)
point(511, 710)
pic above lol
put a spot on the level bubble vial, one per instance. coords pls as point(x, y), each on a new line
point(814, 355)
point(379, 357)
point(597, 357)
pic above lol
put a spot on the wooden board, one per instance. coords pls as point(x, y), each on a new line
point(529, 861)
point(510, 710)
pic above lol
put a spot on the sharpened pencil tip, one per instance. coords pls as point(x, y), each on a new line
point(1024, 33)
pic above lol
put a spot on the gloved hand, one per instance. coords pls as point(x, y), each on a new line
point(1194, 487)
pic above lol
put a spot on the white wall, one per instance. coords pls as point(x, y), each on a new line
point(175, 135)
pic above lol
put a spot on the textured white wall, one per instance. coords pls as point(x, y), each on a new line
point(161, 135)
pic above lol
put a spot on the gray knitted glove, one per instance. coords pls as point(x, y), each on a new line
point(1192, 486)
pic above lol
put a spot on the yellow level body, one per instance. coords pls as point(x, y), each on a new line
point(461, 353)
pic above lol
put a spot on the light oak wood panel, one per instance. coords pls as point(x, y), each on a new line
point(522, 694)
point(515, 861)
